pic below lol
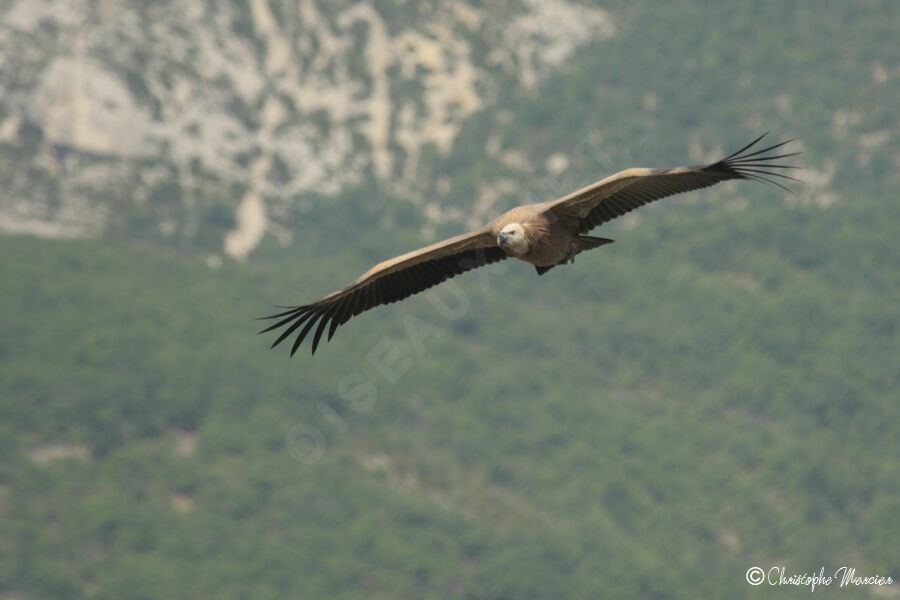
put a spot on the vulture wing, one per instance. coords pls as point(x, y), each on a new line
point(388, 282)
point(623, 192)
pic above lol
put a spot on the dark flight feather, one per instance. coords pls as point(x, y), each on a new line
point(390, 288)
point(660, 183)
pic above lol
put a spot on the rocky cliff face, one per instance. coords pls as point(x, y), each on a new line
point(186, 114)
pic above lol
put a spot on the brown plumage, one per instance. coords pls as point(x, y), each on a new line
point(544, 234)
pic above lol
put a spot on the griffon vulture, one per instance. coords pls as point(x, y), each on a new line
point(544, 234)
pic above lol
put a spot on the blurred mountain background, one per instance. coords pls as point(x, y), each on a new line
point(717, 390)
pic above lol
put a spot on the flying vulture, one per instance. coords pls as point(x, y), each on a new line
point(546, 234)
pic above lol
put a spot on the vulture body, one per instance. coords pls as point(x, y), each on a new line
point(544, 234)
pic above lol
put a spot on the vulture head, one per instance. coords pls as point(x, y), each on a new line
point(512, 239)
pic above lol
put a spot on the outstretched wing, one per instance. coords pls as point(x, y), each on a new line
point(388, 282)
point(623, 192)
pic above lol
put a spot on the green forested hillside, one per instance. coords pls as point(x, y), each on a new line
point(717, 390)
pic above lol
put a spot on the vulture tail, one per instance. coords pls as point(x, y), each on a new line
point(588, 242)
point(585, 242)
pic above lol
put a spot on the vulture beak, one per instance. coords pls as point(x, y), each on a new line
point(501, 238)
